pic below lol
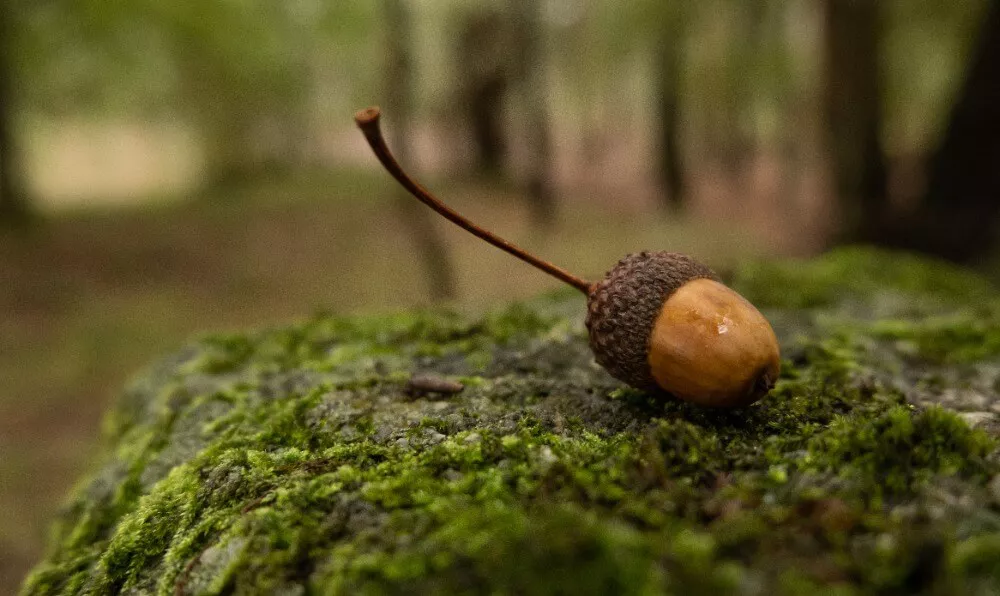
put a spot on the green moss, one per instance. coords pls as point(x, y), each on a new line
point(956, 338)
point(851, 273)
point(294, 459)
point(900, 449)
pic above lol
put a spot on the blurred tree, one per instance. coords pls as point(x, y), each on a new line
point(611, 35)
point(853, 106)
point(56, 57)
point(529, 66)
point(243, 79)
point(735, 136)
point(399, 87)
point(925, 51)
point(482, 59)
point(726, 72)
point(13, 198)
point(957, 217)
point(668, 76)
point(740, 74)
point(237, 71)
point(964, 174)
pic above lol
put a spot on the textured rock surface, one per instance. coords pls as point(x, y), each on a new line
point(295, 461)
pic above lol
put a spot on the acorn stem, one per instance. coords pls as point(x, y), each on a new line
point(368, 121)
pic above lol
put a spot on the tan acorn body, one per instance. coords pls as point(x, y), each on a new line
point(659, 321)
point(711, 347)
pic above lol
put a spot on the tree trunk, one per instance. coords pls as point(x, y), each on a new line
point(668, 73)
point(13, 198)
point(483, 80)
point(529, 43)
point(399, 100)
point(487, 127)
point(957, 218)
point(209, 94)
point(854, 111)
point(251, 117)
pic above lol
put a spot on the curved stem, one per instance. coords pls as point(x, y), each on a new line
point(368, 122)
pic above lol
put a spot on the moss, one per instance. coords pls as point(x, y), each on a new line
point(899, 449)
point(294, 460)
point(857, 272)
point(951, 339)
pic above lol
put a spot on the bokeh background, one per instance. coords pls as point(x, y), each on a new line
point(175, 167)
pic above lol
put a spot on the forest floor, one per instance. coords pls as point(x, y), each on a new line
point(90, 296)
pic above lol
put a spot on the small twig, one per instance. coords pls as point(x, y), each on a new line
point(422, 384)
point(368, 121)
point(255, 503)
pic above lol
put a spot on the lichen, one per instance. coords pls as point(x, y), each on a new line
point(295, 461)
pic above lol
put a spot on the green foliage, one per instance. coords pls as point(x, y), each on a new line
point(139, 56)
point(923, 66)
point(294, 459)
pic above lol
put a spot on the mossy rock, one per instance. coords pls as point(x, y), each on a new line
point(294, 461)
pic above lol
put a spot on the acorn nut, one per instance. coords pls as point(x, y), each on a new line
point(663, 322)
point(659, 321)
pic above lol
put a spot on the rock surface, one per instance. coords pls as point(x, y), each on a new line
point(300, 460)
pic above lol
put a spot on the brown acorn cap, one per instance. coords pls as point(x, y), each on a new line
point(622, 309)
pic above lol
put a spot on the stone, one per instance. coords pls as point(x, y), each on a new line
point(293, 460)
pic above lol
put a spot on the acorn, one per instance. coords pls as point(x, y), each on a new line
point(659, 321)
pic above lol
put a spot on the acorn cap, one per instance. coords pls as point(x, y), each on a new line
point(623, 307)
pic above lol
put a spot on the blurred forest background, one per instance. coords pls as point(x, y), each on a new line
point(170, 167)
